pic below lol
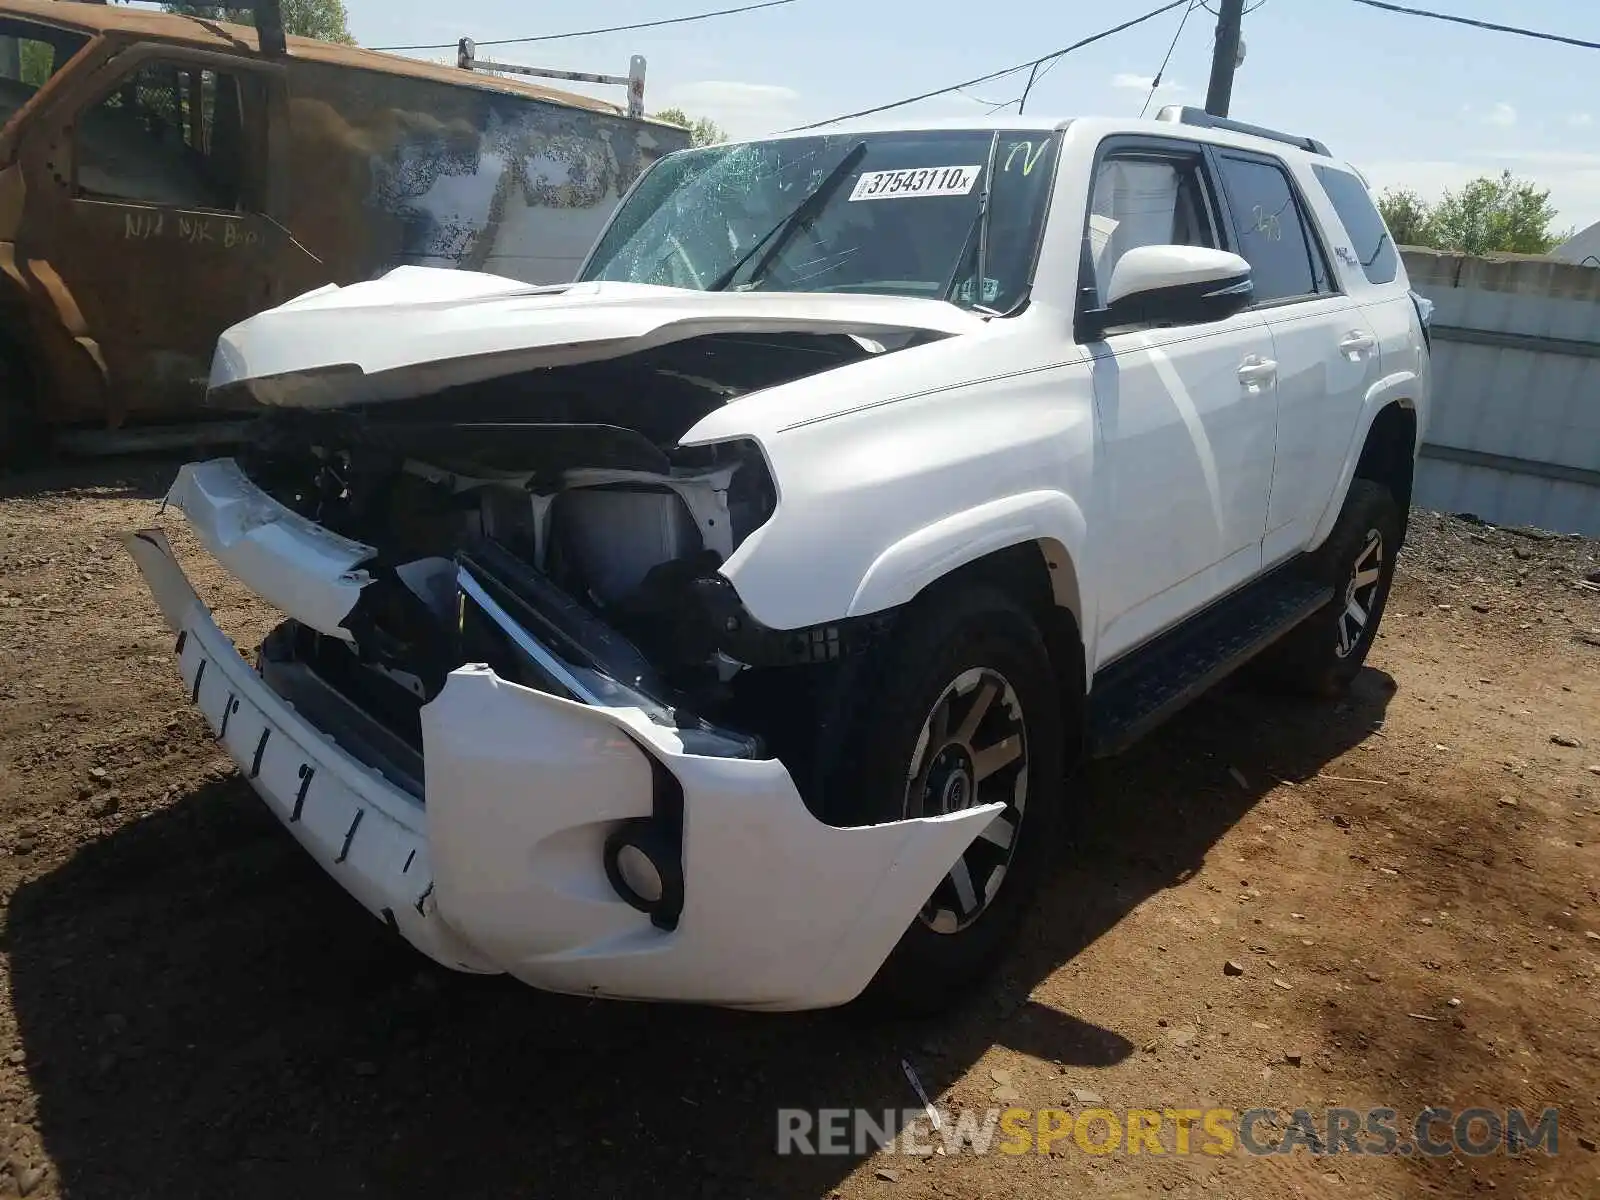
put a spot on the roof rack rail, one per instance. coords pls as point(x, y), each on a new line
point(1183, 114)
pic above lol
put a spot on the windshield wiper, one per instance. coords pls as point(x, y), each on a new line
point(979, 229)
point(785, 229)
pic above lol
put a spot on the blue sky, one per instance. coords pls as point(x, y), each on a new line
point(1413, 103)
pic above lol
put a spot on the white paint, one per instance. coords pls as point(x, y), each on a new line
point(387, 866)
point(1181, 490)
point(523, 788)
point(1153, 268)
point(421, 316)
point(502, 870)
point(1143, 466)
point(293, 564)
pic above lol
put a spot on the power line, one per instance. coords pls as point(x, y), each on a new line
point(991, 105)
point(992, 75)
point(552, 37)
point(1489, 25)
point(1156, 82)
point(1035, 75)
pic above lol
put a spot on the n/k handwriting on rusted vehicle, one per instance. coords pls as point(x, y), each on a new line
point(190, 228)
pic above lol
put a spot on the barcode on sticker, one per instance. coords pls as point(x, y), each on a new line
point(916, 181)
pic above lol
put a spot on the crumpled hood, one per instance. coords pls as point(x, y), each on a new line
point(457, 326)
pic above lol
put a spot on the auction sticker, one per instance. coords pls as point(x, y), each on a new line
point(916, 181)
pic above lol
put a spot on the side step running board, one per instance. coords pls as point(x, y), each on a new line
point(1131, 697)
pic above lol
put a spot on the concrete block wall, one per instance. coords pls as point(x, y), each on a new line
point(1515, 431)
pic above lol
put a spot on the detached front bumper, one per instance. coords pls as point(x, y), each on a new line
point(502, 869)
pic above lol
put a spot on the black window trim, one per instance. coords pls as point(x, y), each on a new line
point(1317, 250)
point(1148, 148)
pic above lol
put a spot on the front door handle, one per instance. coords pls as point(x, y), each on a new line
point(1256, 370)
point(1357, 342)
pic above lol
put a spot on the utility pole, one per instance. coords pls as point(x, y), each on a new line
point(269, 28)
point(1225, 57)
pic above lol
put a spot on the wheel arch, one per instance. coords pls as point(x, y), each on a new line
point(1040, 576)
point(1030, 544)
point(1388, 455)
point(1384, 451)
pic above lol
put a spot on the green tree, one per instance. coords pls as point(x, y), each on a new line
point(37, 60)
point(1490, 215)
point(703, 131)
point(1407, 215)
point(325, 20)
point(1505, 214)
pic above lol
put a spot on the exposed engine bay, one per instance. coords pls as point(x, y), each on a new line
point(548, 524)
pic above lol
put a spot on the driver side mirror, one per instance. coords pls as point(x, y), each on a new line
point(1172, 285)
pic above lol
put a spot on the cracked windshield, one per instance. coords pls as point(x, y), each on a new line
point(899, 214)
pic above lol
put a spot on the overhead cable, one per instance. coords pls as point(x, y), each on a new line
point(1476, 24)
point(577, 33)
point(992, 75)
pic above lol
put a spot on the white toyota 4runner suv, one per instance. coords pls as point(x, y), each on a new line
point(726, 626)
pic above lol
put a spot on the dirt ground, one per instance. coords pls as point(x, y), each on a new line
point(1410, 881)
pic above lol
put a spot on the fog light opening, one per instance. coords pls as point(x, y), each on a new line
point(639, 874)
point(642, 865)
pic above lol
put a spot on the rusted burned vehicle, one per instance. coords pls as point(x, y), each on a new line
point(160, 180)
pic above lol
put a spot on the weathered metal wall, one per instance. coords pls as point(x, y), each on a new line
point(1515, 431)
point(460, 177)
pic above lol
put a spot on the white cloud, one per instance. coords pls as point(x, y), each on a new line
point(1503, 115)
point(1580, 120)
point(1141, 83)
point(743, 109)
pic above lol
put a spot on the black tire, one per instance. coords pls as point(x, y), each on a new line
point(972, 637)
point(1322, 656)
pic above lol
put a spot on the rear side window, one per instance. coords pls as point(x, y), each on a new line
point(29, 55)
point(1284, 263)
point(1373, 246)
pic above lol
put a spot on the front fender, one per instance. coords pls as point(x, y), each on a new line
point(1406, 388)
point(928, 554)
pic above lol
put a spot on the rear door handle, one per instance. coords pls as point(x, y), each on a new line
point(1357, 342)
point(1257, 370)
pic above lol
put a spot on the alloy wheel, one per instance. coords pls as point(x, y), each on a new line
point(1361, 594)
point(972, 750)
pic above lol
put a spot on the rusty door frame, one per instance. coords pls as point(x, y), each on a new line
point(64, 355)
point(49, 132)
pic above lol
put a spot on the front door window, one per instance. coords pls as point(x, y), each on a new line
point(171, 134)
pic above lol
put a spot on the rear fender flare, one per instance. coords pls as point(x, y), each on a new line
point(1401, 388)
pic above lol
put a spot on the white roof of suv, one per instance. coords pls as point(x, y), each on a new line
point(1192, 122)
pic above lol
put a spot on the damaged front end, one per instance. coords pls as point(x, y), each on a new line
point(516, 709)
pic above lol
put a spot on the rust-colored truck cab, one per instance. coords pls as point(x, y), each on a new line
point(161, 180)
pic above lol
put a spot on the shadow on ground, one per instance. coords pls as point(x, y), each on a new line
point(144, 477)
point(205, 1014)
